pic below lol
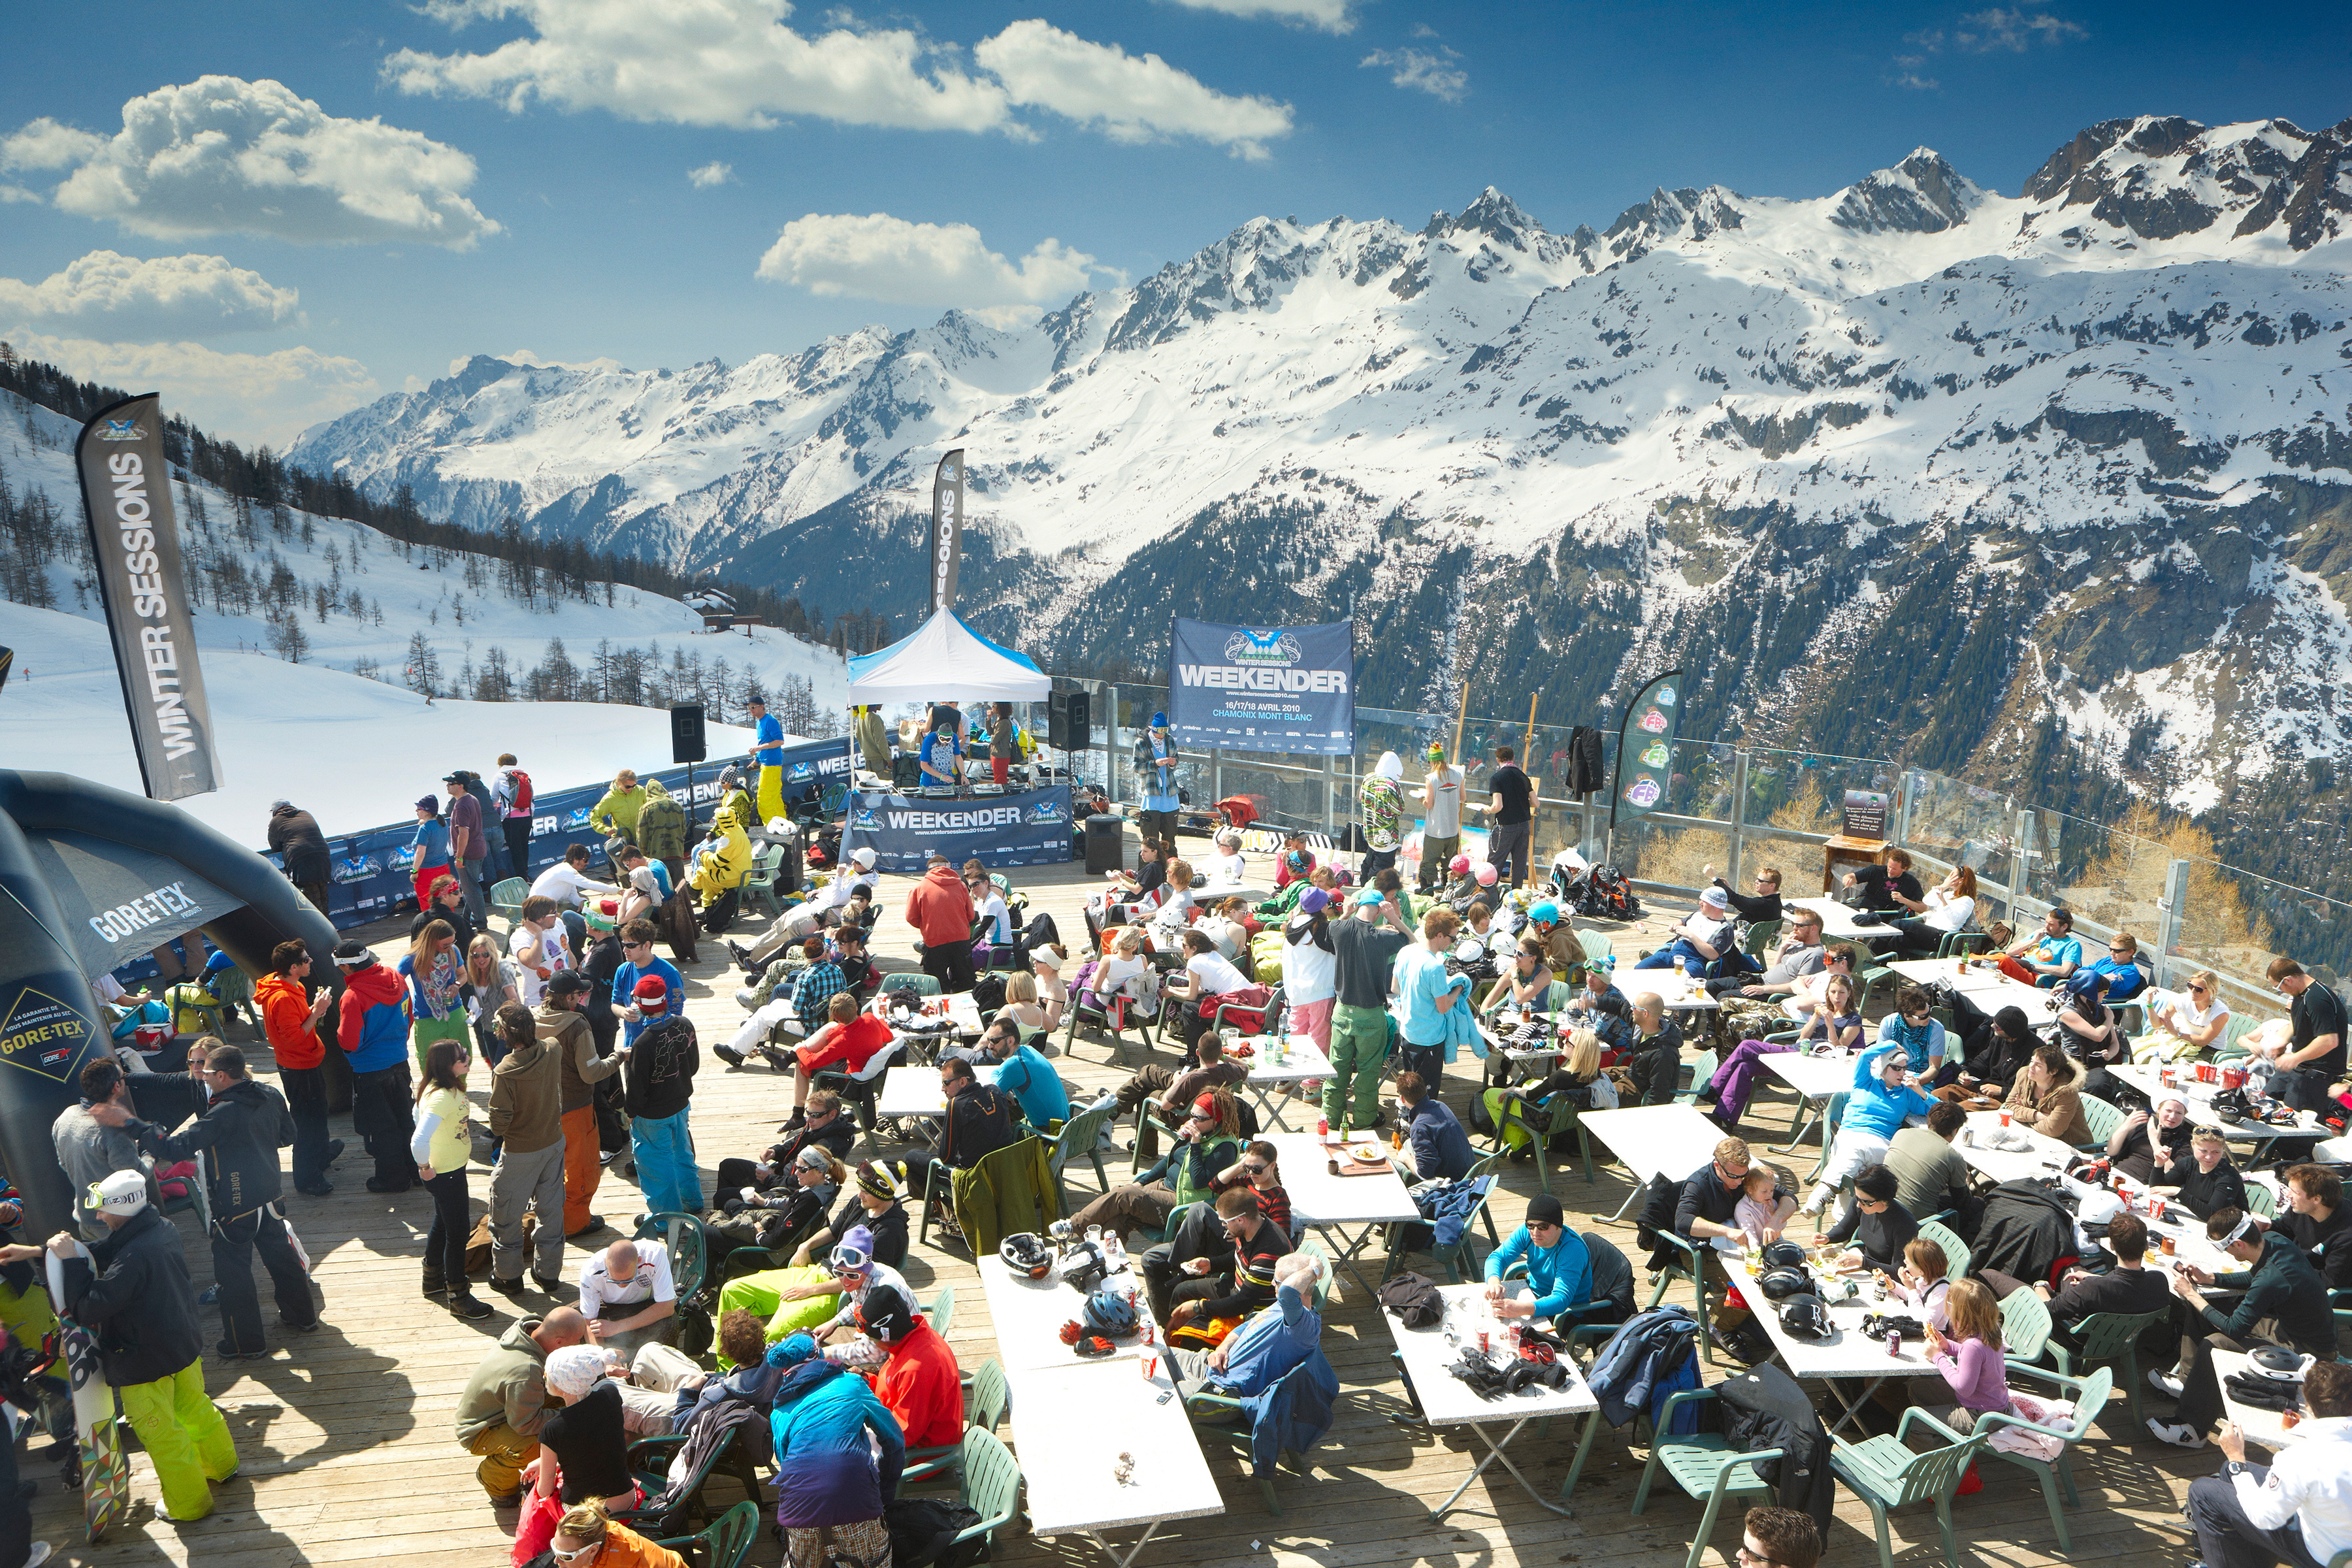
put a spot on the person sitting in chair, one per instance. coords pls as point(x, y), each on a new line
point(1703, 941)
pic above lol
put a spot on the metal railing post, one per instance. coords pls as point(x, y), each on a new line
point(1216, 776)
point(1731, 871)
point(2021, 837)
point(1328, 773)
point(1907, 782)
point(1110, 740)
point(2171, 907)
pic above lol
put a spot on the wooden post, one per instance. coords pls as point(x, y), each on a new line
point(1461, 717)
point(1527, 736)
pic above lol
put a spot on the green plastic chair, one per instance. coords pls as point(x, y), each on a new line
point(1081, 1135)
point(1870, 982)
point(1960, 944)
point(2024, 1326)
point(2111, 1338)
point(1689, 1267)
point(1326, 1280)
point(1176, 1217)
point(1596, 946)
point(1461, 1259)
point(2057, 1480)
point(1559, 1117)
point(759, 894)
point(1955, 1251)
point(725, 1544)
point(1242, 1438)
point(940, 1310)
point(2102, 1119)
point(1885, 1474)
point(650, 1459)
point(506, 899)
point(984, 1407)
point(1760, 938)
point(1701, 1068)
point(2262, 1200)
point(990, 1486)
point(913, 980)
point(1704, 1465)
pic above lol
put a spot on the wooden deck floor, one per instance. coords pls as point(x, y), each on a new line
point(348, 1456)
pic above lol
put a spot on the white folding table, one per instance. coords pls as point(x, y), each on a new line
point(1838, 921)
point(1653, 1140)
point(1848, 1352)
point(914, 1092)
point(1072, 1426)
point(2046, 1156)
point(1428, 1356)
point(1817, 1080)
point(1988, 989)
point(1303, 1063)
point(1028, 1315)
point(2148, 1078)
point(1331, 1203)
point(1677, 991)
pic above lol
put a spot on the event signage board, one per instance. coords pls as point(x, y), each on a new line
point(947, 529)
point(126, 498)
point(1263, 689)
point(1865, 813)
point(1645, 749)
point(1032, 828)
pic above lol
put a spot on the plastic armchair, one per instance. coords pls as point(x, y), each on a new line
point(506, 899)
point(650, 1459)
point(726, 1543)
point(1081, 1136)
point(990, 1486)
point(1561, 1116)
point(2102, 1119)
point(1885, 1474)
point(1960, 944)
point(1461, 1259)
point(984, 1407)
point(1206, 1403)
point(1703, 1466)
point(1955, 1251)
point(2110, 1338)
point(914, 981)
point(1760, 938)
point(2261, 1200)
point(2057, 1479)
point(1689, 1264)
point(2024, 1326)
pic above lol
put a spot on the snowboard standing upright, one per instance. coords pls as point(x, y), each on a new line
point(105, 1467)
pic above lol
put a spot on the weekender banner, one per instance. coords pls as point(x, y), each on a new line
point(1645, 748)
point(1029, 829)
point(947, 529)
point(1272, 688)
point(126, 497)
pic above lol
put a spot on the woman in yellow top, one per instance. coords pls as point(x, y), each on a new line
point(441, 1147)
point(617, 812)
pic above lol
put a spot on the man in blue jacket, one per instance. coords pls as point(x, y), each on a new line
point(768, 751)
point(828, 1483)
point(1441, 1149)
point(638, 962)
point(1559, 1270)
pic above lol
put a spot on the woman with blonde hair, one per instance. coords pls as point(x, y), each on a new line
point(1950, 906)
point(442, 1146)
point(1578, 1077)
point(436, 983)
point(2183, 1023)
point(1029, 1014)
point(588, 1537)
point(1968, 1355)
point(494, 981)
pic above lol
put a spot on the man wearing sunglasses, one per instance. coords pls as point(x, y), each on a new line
point(1709, 1208)
point(1779, 1538)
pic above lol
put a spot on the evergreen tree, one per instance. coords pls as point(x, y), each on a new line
point(288, 638)
point(495, 681)
point(423, 666)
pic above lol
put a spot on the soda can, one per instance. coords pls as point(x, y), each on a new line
point(1893, 1343)
point(1323, 1128)
point(1482, 1341)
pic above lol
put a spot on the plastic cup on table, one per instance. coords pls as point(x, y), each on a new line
point(2004, 1118)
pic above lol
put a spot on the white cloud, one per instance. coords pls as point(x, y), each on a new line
point(711, 174)
point(2012, 32)
point(221, 155)
point(112, 296)
point(9, 192)
point(1435, 74)
point(702, 62)
point(879, 257)
point(249, 398)
point(1133, 97)
point(1331, 16)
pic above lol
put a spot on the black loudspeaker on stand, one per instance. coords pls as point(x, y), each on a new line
point(686, 733)
point(1068, 721)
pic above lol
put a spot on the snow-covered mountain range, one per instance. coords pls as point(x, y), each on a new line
point(1779, 441)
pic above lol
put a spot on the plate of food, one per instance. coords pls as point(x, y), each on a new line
point(1367, 1153)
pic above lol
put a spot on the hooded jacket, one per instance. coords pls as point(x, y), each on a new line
point(137, 1300)
point(527, 1097)
point(661, 823)
point(374, 1027)
point(286, 1020)
point(294, 836)
point(826, 1473)
point(622, 808)
point(578, 1064)
point(659, 1077)
point(508, 1387)
point(242, 1129)
point(940, 906)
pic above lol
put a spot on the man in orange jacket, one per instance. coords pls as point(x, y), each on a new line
point(290, 1020)
point(920, 1384)
point(939, 909)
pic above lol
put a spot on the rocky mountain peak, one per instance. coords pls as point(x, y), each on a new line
point(1921, 194)
point(2161, 177)
point(1685, 213)
point(1499, 218)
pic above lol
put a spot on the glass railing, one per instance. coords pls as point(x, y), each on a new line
point(2027, 858)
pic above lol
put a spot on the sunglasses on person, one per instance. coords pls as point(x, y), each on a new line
point(628, 946)
point(1248, 1169)
point(2195, 989)
point(1539, 1226)
point(587, 1553)
point(2202, 1131)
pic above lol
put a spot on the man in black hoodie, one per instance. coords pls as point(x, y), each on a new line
point(295, 839)
point(241, 1131)
point(131, 1291)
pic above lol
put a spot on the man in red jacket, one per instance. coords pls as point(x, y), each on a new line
point(939, 909)
point(919, 1383)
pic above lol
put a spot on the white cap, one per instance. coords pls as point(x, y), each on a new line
point(862, 857)
point(123, 1193)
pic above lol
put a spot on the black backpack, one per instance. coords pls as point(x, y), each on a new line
point(923, 1533)
point(1414, 1299)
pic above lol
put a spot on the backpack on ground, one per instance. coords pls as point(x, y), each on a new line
point(1608, 896)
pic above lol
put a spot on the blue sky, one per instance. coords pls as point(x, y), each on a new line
point(426, 182)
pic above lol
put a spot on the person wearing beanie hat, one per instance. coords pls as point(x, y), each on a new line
point(132, 1292)
point(657, 1068)
point(1560, 1268)
point(1703, 942)
point(428, 847)
point(1440, 833)
point(1310, 968)
point(920, 1384)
